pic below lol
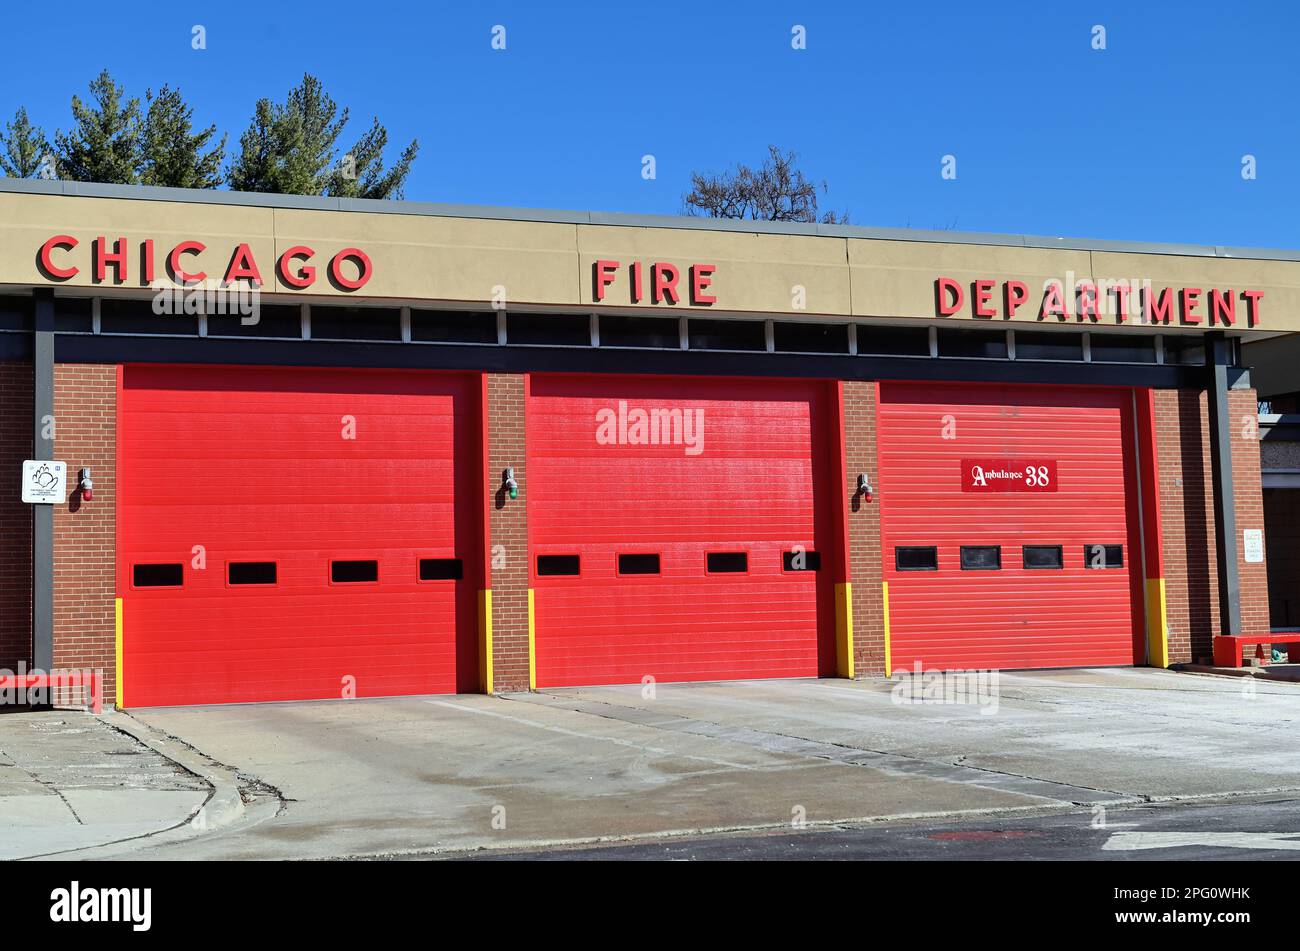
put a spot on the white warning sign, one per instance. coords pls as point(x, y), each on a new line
point(44, 481)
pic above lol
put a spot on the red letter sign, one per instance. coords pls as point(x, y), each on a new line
point(663, 283)
point(945, 287)
point(603, 276)
point(701, 278)
point(174, 262)
point(303, 276)
point(243, 267)
point(363, 268)
point(65, 241)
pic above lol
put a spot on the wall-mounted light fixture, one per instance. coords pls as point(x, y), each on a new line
point(864, 488)
point(87, 487)
point(509, 484)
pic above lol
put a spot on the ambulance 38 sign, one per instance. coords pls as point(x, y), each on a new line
point(1008, 475)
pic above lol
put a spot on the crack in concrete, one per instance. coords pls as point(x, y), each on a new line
point(846, 754)
point(247, 782)
point(36, 778)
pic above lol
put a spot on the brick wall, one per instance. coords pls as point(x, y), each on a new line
point(15, 516)
point(864, 529)
point(85, 412)
point(508, 526)
point(1187, 521)
point(1248, 493)
point(1187, 518)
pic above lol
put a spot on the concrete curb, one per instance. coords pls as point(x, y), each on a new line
point(1286, 673)
point(223, 807)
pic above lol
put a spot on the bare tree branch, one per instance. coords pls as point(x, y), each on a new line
point(777, 191)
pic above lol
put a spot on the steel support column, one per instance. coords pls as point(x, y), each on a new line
point(1217, 362)
point(43, 448)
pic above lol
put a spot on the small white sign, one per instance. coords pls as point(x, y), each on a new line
point(44, 481)
point(1253, 545)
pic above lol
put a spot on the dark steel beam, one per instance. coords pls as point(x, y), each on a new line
point(1217, 360)
point(43, 448)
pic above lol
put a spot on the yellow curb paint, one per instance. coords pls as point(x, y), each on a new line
point(1157, 624)
point(844, 629)
point(485, 634)
point(118, 702)
point(532, 644)
point(889, 662)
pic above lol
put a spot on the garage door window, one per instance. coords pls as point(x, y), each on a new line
point(250, 572)
point(638, 564)
point(157, 576)
point(441, 569)
point(354, 572)
point(552, 565)
point(981, 557)
point(727, 562)
point(923, 558)
point(1043, 556)
point(1103, 556)
point(801, 561)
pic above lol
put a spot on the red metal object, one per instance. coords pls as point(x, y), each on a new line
point(298, 467)
point(759, 483)
point(1012, 617)
point(1227, 647)
point(89, 681)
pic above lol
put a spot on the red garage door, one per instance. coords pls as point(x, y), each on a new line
point(290, 534)
point(677, 529)
point(1010, 526)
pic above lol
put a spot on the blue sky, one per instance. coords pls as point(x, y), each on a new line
point(1141, 141)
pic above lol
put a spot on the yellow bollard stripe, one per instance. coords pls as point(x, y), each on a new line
point(119, 701)
point(889, 662)
point(485, 635)
point(844, 629)
point(1157, 623)
point(532, 644)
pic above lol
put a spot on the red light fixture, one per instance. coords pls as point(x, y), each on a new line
point(85, 484)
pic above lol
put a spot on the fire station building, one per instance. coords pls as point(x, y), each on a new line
point(315, 448)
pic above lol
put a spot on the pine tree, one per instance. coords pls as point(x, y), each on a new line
point(360, 172)
point(291, 148)
point(254, 170)
point(171, 153)
point(23, 148)
point(104, 144)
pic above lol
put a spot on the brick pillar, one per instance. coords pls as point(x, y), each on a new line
point(85, 584)
point(511, 629)
point(1187, 518)
point(1187, 522)
point(1248, 493)
point(15, 517)
point(865, 572)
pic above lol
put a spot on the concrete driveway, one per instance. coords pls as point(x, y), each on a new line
point(388, 777)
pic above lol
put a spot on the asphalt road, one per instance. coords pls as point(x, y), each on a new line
point(1219, 832)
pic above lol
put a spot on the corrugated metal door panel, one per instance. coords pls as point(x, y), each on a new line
point(258, 465)
point(756, 485)
point(1013, 617)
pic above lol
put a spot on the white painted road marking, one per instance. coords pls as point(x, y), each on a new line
point(551, 728)
point(1136, 841)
